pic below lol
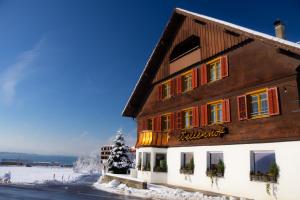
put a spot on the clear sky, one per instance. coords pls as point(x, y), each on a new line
point(67, 68)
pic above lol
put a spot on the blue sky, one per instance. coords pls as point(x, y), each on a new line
point(67, 68)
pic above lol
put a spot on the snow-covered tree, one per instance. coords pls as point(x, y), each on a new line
point(88, 164)
point(118, 161)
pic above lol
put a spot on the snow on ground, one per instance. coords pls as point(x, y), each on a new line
point(34, 175)
point(155, 192)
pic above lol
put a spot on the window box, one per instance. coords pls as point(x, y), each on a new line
point(262, 177)
point(160, 169)
point(214, 173)
point(186, 171)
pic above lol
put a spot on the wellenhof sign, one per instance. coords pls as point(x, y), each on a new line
point(201, 133)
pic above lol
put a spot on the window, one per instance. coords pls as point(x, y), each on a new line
point(147, 162)
point(139, 164)
point(187, 82)
point(187, 163)
point(160, 162)
point(258, 103)
point(214, 70)
point(263, 166)
point(149, 124)
point(185, 47)
point(215, 164)
point(166, 90)
point(215, 115)
point(188, 118)
point(166, 122)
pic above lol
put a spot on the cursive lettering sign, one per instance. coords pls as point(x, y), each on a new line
point(201, 133)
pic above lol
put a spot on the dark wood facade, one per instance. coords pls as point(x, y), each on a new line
point(253, 63)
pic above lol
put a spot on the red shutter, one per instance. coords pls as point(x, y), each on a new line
point(203, 115)
point(160, 92)
point(175, 120)
point(224, 66)
point(273, 101)
point(179, 120)
point(154, 124)
point(172, 121)
point(203, 69)
point(173, 87)
point(226, 110)
point(195, 116)
point(158, 121)
point(242, 107)
point(195, 78)
point(144, 124)
point(179, 84)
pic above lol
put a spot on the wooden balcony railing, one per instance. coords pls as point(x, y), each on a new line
point(149, 138)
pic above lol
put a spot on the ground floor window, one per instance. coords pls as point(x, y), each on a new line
point(263, 166)
point(146, 162)
point(215, 164)
point(139, 161)
point(160, 162)
point(187, 163)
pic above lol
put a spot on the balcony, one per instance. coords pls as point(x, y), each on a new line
point(155, 139)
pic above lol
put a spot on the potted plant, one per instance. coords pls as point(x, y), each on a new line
point(220, 168)
point(273, 172)
point(162, 167)
point(189, 168)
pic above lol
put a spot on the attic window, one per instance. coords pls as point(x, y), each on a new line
point(188, 45)
point(232, 33)
point(199, 22)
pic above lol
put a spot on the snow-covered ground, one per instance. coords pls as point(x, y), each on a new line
point(155, 192)
point(35, 175)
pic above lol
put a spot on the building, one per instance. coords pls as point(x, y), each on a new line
point(105, 152)
point(217, 109)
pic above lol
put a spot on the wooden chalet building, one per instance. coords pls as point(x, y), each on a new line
point(217, 109)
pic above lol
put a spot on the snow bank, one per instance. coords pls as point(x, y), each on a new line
point(154, 192)
point(34, 175)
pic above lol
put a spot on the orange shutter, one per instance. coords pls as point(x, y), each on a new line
point(195, 116)
point(159, 91)
point(273, 101)
point(242, 107)
point(195, 78)
point(179, 84)
point(203, 115)
point(226, 110)
point(203, 69)
point(173, 87)
point(224, 66)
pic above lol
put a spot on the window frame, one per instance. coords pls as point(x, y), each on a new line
point(184, 165)
point(166, 84)
point(168, 122)
point(220, 119)
point(259, 102)
point(147, 124)
point(189, 117)
point(189, 82)
point(212, 65)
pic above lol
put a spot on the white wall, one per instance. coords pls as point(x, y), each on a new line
point(236, 179)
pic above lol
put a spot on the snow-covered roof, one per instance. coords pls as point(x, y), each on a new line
point(283, 41)
point(221, 22)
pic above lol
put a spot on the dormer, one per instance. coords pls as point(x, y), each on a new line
point(185, 54)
